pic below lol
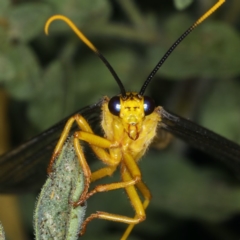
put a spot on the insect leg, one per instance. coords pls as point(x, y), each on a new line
point(147, 195)
point(98, 144)
point(82, 161)
point(101, 153)
point(60, 143)
point(135, 200)
point(101, 142)
point(131, 164)
point(83, 125)
point(103, 172)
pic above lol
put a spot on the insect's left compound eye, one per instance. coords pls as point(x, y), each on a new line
point(149, 105)
point(114, 105)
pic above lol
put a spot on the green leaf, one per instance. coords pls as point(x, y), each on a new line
point(2, 234)
point(26, 80)
point(220, 109)
point(27, 20)
point(55, 217)
point(7, 71)
point(187, 191)
point(4, 7)
point(50, 95)
point(4, 41)
point(182, 4)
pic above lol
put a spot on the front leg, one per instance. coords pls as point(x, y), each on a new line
point(97, 144)
point(82, 124)
point(131, 165)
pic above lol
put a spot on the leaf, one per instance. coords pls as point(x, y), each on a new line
point(26, 80)
point(55, 217)
point(7, 71)
point(220, 109)
point(186, 191)
point(2, 234)
point(4, 7)
point(27, 20)
point(182, 4)
point(49, 95)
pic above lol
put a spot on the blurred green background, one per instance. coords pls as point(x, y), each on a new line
point(45, 78)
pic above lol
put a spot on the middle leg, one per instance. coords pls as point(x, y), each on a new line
point(135, 201)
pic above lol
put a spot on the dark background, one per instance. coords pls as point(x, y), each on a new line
point(44, 78)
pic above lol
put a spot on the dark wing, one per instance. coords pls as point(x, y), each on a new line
point(202, 138)
point(24, 168)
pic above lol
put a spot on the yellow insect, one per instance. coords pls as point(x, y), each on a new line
point(130, 121)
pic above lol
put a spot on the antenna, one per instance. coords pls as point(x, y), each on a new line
point(175, 44)
point(89, 44)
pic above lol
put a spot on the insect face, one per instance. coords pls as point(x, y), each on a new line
point(132, 110)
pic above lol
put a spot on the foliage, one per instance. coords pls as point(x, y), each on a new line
point(53, 76)
point(54, 216)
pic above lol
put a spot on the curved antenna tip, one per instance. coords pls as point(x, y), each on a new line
point(51, 19)
point(88, 43)
point(47, 24)
point(46, 28)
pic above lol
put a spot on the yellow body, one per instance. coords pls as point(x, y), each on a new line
point(126, 140)
point(132, 131)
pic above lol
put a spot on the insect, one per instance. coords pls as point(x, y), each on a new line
point(126, 141)
point(129, 121)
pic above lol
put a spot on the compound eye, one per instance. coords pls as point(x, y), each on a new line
point(149, 105)
point(114, 105)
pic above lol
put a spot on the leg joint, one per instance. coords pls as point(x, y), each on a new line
point(140, 218)
point(137, 179)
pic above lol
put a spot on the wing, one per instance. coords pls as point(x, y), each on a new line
point(202, 138)
point(24, 168)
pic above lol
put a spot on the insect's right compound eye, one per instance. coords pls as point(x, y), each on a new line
point(114, 105)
